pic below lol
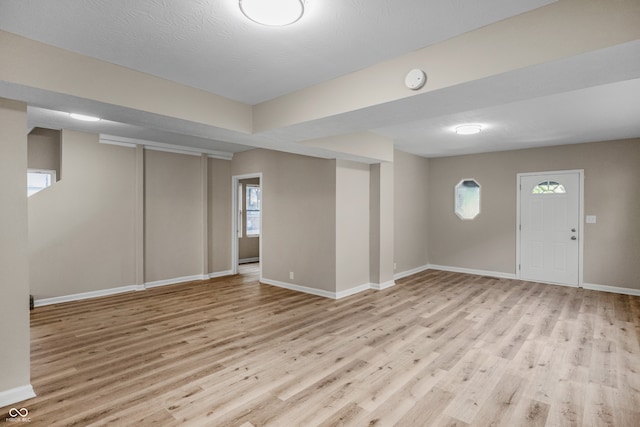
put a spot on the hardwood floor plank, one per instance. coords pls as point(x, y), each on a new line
point(512, 343)
point(530, 413)
point(423, 413)
point(543, 381)
point(499, 408)
point(568, 405)
point(466, 403)
point(603, 368)
point(437, 349)
point(599, 406)
point(345, 416)
point(394, 376)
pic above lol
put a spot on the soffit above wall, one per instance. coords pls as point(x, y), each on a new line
point(531, 96)
point(211, 46)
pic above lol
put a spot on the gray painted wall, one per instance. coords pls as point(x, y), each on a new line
point(219, 217)
point(298, 216)
point(14, 304)
point(82, 228)
point(611, 246)
point(411, 190)
point(173, 216)
point(309, 223)
point(352, 225)
point(44, 150)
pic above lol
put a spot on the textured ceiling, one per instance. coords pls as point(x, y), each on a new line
point(600, 113)
point(209, 45)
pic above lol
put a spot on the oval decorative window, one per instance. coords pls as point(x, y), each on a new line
point(467, 199)
point(549, 187)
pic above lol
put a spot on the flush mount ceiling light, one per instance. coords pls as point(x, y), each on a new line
point(83, 117)
point(468, 129)
point(276, 13)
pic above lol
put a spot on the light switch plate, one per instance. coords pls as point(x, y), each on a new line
point(591, 219)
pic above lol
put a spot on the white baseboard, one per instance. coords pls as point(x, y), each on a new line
point(177, 280)
point(305, 289)
point(15, 395)
point(123, 289)
point(248, 260)
point(613, 289)
point(86, 295)
point(548, 283)
point(352, 291)
point(220, 274)
point(329, 294)
point(497, 274)
point(382, 286)
point(590, 286)
point(411, 272)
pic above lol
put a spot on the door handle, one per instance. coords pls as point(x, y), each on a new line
point(574, 238)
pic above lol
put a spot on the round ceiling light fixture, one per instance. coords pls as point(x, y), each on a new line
point(275, 13)
point(468, 129)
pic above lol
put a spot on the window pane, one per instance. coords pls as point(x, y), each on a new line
point(37, 181)
point(253, 198)
point(253, 222)
point(549, 187)
point(467, 199)
point(239, 210)
point(253, 210)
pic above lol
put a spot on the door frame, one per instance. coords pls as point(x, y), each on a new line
point(235, 180)
point(580, 173)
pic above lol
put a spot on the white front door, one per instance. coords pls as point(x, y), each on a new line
point(550, 227)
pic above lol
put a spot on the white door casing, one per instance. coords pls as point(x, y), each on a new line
point(550, 227)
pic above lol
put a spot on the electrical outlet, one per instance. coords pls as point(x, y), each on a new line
point(394, 266)
point(291, 275)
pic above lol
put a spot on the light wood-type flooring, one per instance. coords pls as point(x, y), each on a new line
point(437, 349)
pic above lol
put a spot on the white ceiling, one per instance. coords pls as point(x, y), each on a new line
point(209, 45)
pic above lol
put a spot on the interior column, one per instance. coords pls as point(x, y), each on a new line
point(381, 224)
point(14, 304)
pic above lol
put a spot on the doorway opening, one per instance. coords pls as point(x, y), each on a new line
point(247, 222)
point(550, 227)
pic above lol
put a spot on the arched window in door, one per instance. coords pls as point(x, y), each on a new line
point(549, 187)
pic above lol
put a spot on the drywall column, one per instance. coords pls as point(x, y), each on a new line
point(219, 216)
point(381, 225)
point(204, 194)
point(352, 227)
point(14, 304)
point(139, 221)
